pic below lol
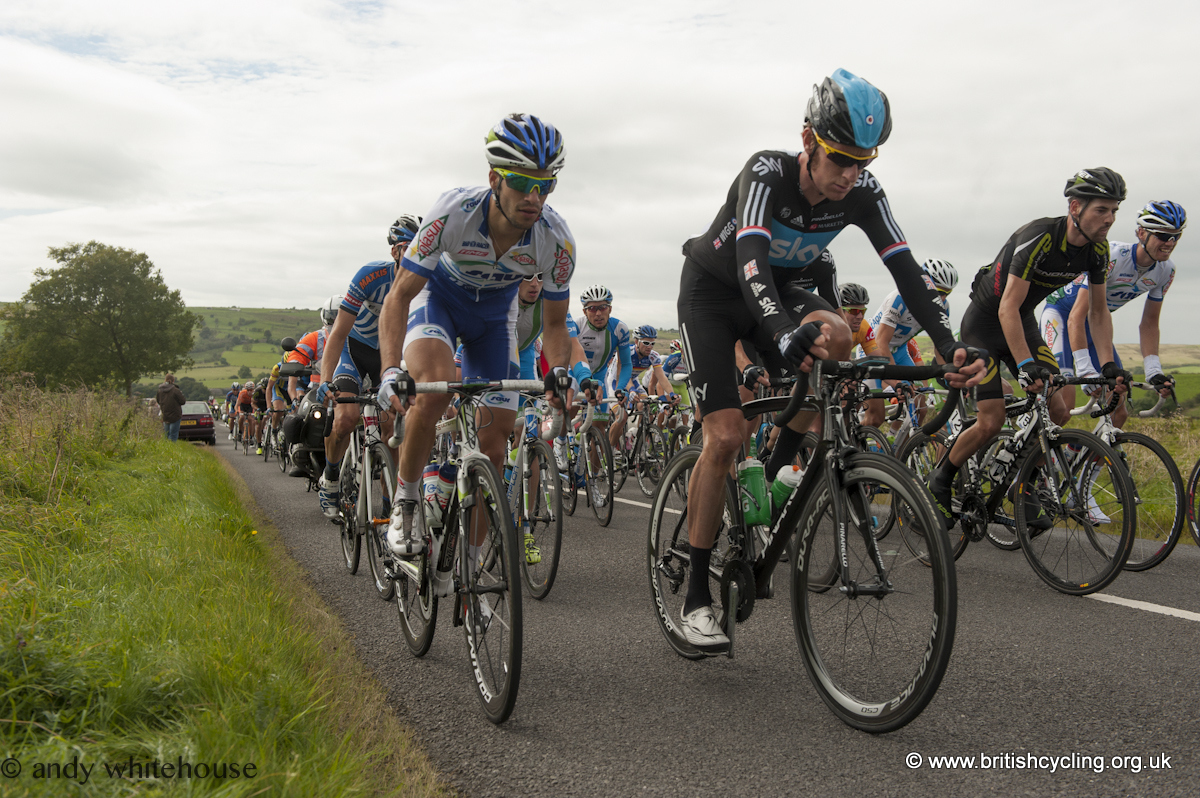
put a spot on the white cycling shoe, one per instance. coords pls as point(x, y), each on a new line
point(403, 535)
point(701, 629)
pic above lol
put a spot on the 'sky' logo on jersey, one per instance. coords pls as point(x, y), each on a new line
point(766, 164)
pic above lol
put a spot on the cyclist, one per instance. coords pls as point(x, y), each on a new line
point(245, 409)
point(893, 327)
point(1038, 258)
point(352, 352)
point(1143, 267)
point(310, 349)
point(458, 280)
point(259, 397)
point(606, 344)
point(231, 406)
point(781, 213)
point(647, 365)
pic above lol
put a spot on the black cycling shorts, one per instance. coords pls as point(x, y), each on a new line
point(365, 360)
point(246, 408)
point(712, 318)
point(981, 328)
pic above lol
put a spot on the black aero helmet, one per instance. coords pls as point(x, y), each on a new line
point(1098, 183)
point(845, 109)
point(853, 295)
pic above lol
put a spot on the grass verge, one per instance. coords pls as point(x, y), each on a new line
point(149, 623)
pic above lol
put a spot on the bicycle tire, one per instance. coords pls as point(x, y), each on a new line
point(266, 443)
point(491, 596)
point(883, 517)
point(375, 500)
point(876, 662)
point(1193, 516)
point(622, 473)
point(654, 457)
point(544, 531)
point(416, 601)
point(921, 453)
point(1075, 556)
point(285, 456)
point(570, 491)
point(600, 489)
point(668, 549)
point(1159, 495)
point(347, 505)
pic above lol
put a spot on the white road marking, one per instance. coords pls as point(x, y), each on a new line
point(1146, 605)
point(647, 506)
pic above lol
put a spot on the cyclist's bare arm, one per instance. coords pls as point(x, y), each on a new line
point(334, 343)
point(393, 322)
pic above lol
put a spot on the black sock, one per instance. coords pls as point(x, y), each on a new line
point(332, 471)
point(698, 594)
point(787, 446)
point(948, 470)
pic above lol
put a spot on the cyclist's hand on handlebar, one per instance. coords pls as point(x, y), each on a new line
point(971, 363)
point(323, 391)
point(1032, 376)
point(1163, 383)
point(805, 344)
point(558, 387)
point(396, 390)
point(753, 376)
point(1110, 371)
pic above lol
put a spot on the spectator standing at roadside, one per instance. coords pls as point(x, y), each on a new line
point(170, 402)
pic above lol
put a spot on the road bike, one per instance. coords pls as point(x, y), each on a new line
point(471, 554)
point(535, 496)
point(876, 631)
point(589, 465)
point(1064, 494)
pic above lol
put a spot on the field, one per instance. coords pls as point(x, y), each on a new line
point(232, 338)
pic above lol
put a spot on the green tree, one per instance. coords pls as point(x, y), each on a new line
point(244, 373)
point(103, 317)
point(194, 389)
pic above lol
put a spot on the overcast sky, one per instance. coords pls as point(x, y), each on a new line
point(257, 151)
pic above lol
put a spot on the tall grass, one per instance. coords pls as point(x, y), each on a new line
point(143, 619)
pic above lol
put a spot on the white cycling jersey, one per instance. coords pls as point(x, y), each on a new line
point(1125, 281)
point(894, 313)
point(455, 237)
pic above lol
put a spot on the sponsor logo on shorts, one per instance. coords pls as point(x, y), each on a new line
point(435, 332)
point(497, 399)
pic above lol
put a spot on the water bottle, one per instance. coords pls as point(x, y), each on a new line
point(445, 488)
point(429, 478)
point(785, 482)
point(752, 487)
point(1001, 462)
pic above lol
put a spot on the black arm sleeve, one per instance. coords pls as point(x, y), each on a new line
point(754, 203)
point(828, 287)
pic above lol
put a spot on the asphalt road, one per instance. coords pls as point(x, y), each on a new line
point(1037, 681)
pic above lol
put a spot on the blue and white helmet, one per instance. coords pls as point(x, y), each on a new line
point(646, 332)
point(522, 141)
point(1162, 216)
point(845, 109)
point(595, 293)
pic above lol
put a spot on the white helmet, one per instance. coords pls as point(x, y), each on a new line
point(944, 276)
point(595, 293)
point(329, 311)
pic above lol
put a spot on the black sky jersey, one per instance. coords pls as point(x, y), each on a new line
point(766, 222)
point(1038, 253)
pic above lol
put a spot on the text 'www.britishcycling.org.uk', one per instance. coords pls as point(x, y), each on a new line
point(1052, 762)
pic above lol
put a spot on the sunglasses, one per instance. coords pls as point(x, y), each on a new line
point(861, 309)
point(525, 184)
point(845, 159)
point(529, 278)
point(1167, 238)
point(590, 308)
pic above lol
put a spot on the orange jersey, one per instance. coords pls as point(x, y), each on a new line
point(865, 337)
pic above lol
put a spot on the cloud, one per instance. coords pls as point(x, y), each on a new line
point(261, 149)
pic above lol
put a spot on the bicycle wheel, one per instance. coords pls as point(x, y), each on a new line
point(416, 601)
point(491, 594)
point(374, 513)
point(285, 454)
point(871, 439)
point(598, 460)
point(668, 552)
point(1193, 517)
point(567, 478)
point(1001, 529)
point(541, 528)
point(654, 457)
point(921, 453)
point(876, 660)
point(620, 465)
point(348, 503)
point(1160, 496)
point(1076, 555)
point(267, 437)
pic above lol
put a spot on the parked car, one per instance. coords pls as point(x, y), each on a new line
point(197, 424)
